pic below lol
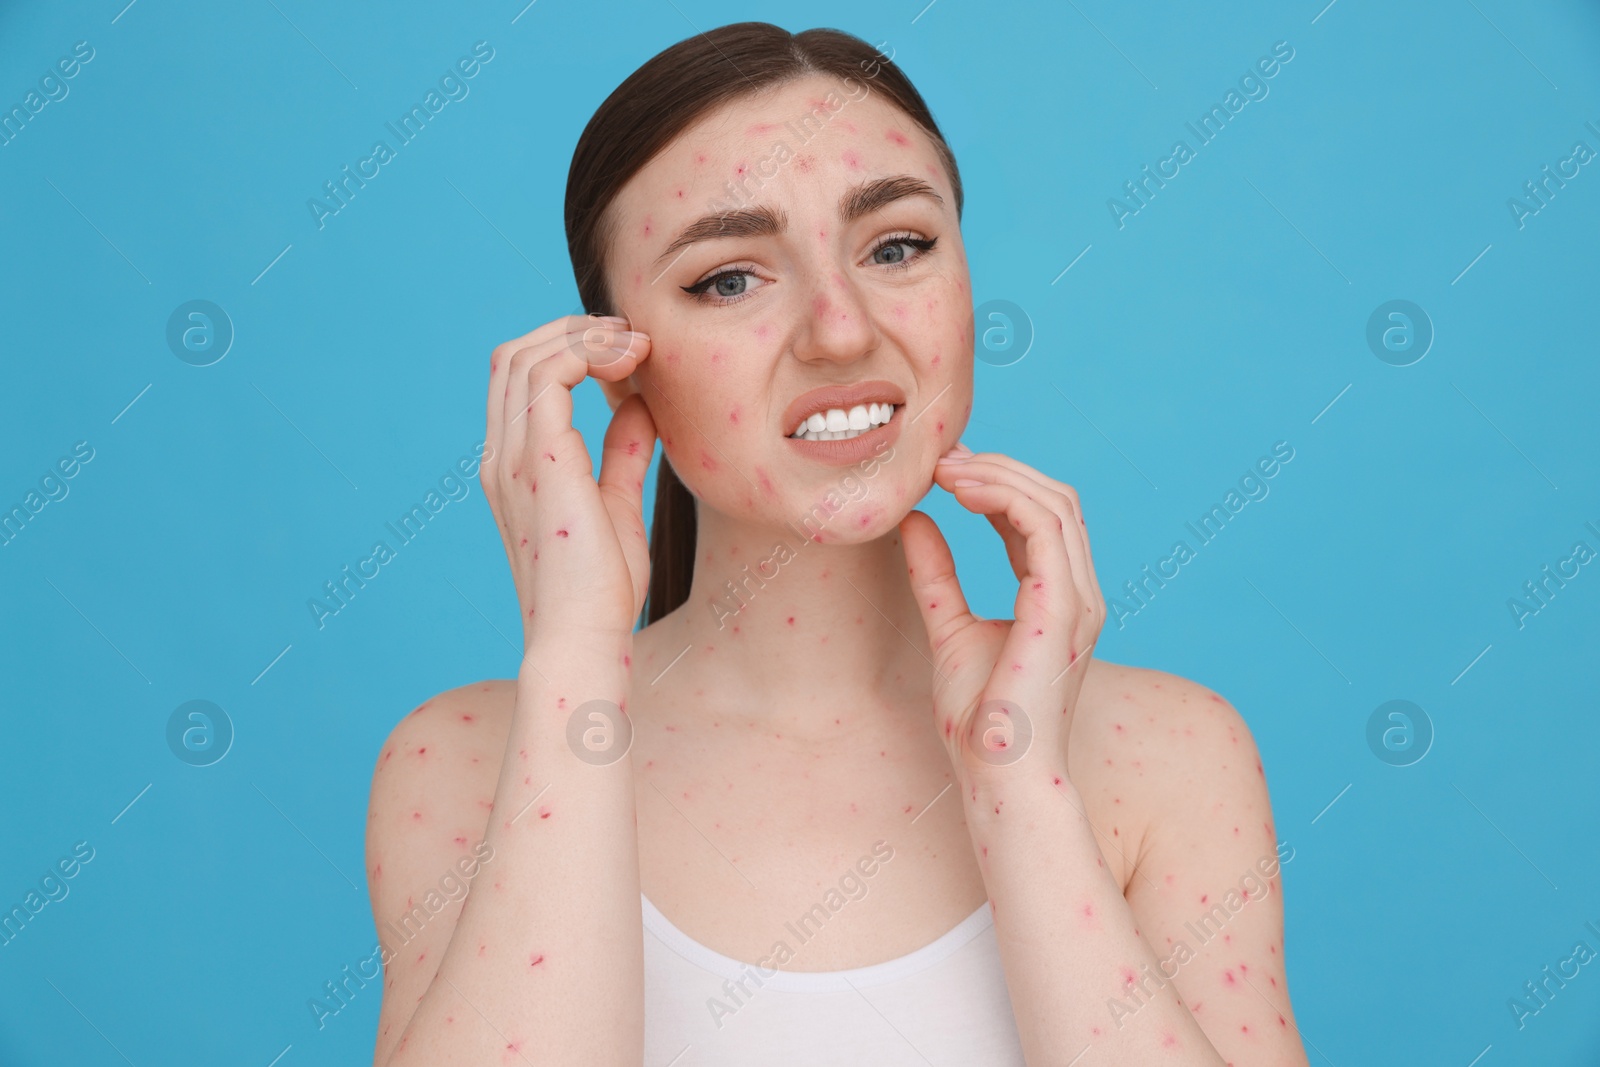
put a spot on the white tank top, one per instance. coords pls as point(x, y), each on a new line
point(945, 1003)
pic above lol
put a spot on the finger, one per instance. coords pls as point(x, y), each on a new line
point(1048, 580)
point(606, 345)
point(1036, 647)
point(629, 444)
point(500, 366)
point(1060, 499)
point(1071, 496)
point(626, 452)
point(539, 398)
point(1099, 599)
point(932, 571)
point(597, 344)
point(1016, 544)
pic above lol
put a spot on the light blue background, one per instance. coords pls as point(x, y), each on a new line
point(1226, 316)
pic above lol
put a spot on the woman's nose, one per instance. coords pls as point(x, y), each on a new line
point(839, 324)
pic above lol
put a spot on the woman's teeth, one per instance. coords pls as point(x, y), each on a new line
point(837, 424)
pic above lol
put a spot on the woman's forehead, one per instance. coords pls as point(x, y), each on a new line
point(816, 131)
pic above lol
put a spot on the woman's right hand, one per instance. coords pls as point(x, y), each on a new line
point(578, 550)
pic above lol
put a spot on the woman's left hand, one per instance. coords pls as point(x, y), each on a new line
point(1005, 688)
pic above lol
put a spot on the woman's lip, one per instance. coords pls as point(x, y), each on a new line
point(843, 397)
point(841, 452)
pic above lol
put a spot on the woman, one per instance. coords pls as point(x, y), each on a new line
point(814, 811)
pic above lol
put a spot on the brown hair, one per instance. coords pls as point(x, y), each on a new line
point(641, 117)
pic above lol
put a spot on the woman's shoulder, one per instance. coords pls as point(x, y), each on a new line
point(439, 764)
point(1152, 745)
point(457, 727)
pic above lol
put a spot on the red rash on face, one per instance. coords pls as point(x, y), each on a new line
point(707, 462)
point(850, 159)
point(898, 138)
point(767, 487)
point(733, 416)
point(803, 163)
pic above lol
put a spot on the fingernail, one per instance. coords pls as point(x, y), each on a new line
point(959, 447)
point(955, 459)
point(960, 482)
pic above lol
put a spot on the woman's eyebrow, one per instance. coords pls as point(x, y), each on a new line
point(761, 221)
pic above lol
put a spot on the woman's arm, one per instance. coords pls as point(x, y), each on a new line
point(1006, 696)
point(1206, 888)
point(545, 963)
point(1189, 967)
point(551, 925)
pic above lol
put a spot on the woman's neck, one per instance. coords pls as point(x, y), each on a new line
point(776, 619)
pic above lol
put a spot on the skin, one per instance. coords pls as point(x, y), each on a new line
point(841, 703)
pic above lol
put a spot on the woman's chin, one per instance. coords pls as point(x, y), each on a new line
point(855, 522)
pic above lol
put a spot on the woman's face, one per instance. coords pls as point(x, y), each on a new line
point(796, 240)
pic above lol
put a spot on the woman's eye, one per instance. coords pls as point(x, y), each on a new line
point(722, 287)
point(891, 253)
point(901, 251)
point(730, 284)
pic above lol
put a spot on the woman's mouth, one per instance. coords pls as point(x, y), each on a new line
point(841, 424)
point(845, 424)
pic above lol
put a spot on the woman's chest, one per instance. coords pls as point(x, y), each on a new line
point(742, 843)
